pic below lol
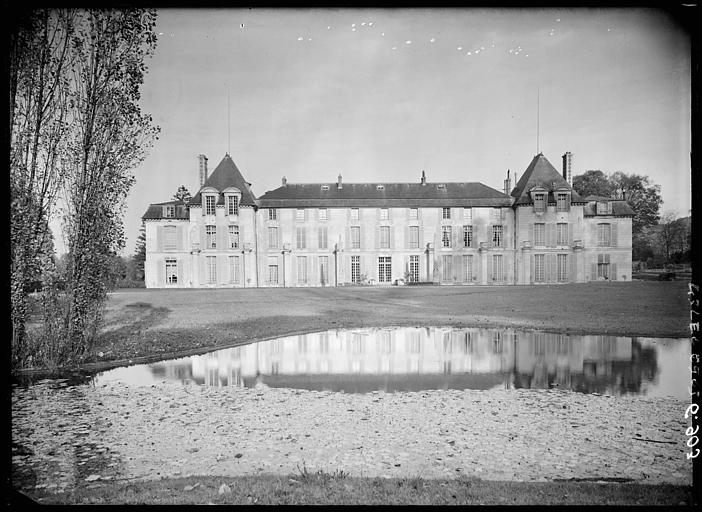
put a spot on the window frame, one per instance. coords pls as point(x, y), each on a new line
point(210, 236)
point(562, 201)
point(355, 214)
point(604, 235)
point(272, 214)
point(355, 240)
point(170, 264)
point(539, 270)
point(498, 238)
point(446, 240)
point(232, 204)
point(467, 235)
point(540, 200)
point(300, 237)
point(384, 237)
point(414, 237)
point(233, 236)
point(539, 234)
point(170, 238)
point(273, 237)
point(562, 234)
point(170, 211)
point(414, 213)
point(445, 213)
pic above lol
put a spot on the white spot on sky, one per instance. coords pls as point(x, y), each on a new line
point(432, 40)
point(527, 55)
point(493, 45)
point(353, 24)
point(408, 42)
point(353, 30)
point(300, 38)
point(382, 33)
point(482, 47)
point(394, 47)
point(558, 20)
point(363, 24)
point(370, 23)
point(241, 26)
point(510, 51)
point(477, 52)
point(609, 30)
point(328, 28)
point(459, 48)
point(310, 39)
point(160, 33)
point(469, 53)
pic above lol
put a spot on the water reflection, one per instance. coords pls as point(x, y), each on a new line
point(413, 359)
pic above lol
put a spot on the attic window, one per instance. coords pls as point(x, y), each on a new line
point(440, 186)
point(170, 211)
point(380, 187)
point(604, 208)
point(539, 201)
point(325, 187)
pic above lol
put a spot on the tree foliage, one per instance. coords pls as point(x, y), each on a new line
point(183, 195)
point(592, 183)
point(139, 256)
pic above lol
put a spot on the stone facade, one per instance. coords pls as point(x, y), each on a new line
point(338, 234)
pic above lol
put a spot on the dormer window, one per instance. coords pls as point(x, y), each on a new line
point(440, 186)
point(604, 208)
point(232, 205)
point(169, 211)
point(209, 205)
point(539, 201)
point(325, 187)
point(380, 187)
point(562, 202)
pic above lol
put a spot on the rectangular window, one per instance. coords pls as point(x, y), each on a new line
point(539, 202)
point(414, 269)
point(539, 235)
point(355, 269)
point(446, 213)
point(354, 213)
point(322, 237)
point(539, 274)
point(604, 208)
point(322, 213)
point(415, 343)
point(171, 271)
point(170, 211)
point(273, 274)
point(467, 236)
point(603, 266)
point(272, 237)
point(446, 236)
point(413, 213)
point(300, 238)
point(468, 215)
point(384, 269)
point(169, 237)
point(323, 270)
point(414, 237)
point(604, 235)
point(272, 214)
point(467, 268)
point(355, 237)
point(234, 269)
point(233, 206)
point(233, 236)
point(302, 270)
point(496, 215)
point(561, 233)
point(209, 205)
point(384, 214)
point(562, 203)
point(300, 214)
point(446, 271)
point(497, 270)
point(211, 269)
point(497, 236)
point(385, 237)
point(211, 234)
point(562, 268)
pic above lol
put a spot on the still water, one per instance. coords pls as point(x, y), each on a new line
point(414, 359)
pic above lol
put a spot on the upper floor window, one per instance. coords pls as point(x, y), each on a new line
point(467, 236)
point(171, 271)
point(385, 237)
point(300, 214)
point(604, 235)
point(301, 236)
point(562, 202)
point(211, 234)
point(446, 213)
point(497, 236)
point(604, 208)
point(272, 214)
point(539, 234)
point(272, 237)
point(561, 233)
point(384, 214)
point(170, 211)
point(468, 214)
point(209, 205)
point(233, 205)
point(322, 214)
point(446, 236)
point(169, 237)
point(496, 215)
point(355, 237)
point(233, 237)
point(354, 213)
point(414, 237)
point(322, 238)
point(540, 201)
point(413, 213)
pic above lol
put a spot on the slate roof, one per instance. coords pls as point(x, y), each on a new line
point(301, 195)
point(155, 211)
point(226, 174)
point(541, 173)
point(620, 207)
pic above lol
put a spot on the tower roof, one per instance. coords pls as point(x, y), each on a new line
point(226, 175)
point(541, 173)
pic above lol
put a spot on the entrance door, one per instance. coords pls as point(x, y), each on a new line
point(384, 269)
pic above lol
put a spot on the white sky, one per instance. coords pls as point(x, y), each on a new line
point(614, 90)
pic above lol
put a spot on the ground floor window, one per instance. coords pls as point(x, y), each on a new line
point(384, 269)
point(414, 269)
point(273, 274)
point(467, 268)
point(497, 271)
point(539, 274)
point(171, 271)
point(446, 267)
point(355, 269)
point(603, 266)
point(302, 270)
point(562, 268)
point(234, 269)
point(323, 270)
point(211, 269)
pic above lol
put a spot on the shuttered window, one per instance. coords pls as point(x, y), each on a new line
point(323, 270)
point(497, 269)
point(272, 237)
point(414, 237)
point(539, 234)
point(169, 237)
point(446, 236)
point(322, 214)
point(604, 235)
point(385, 237)
point(211, 269)
point(562, 268)
point(467, 268)
point(562, 202)
point(354, 213)
point(413, 213)
point(562, 233)
point(211, 232)
point(539, 273)
point(302, 270)
point(300, 238)
point(355, 237)
point(322, 237)
point(233, 237)
point(171, 271)
point(234, 269)
point(446, 270)
point(384, 214)
point(539, 202)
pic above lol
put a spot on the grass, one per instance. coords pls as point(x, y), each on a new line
point(308, 488)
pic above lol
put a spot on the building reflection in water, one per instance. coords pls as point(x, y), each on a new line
point(413, 359)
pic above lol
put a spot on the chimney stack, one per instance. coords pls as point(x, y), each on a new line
point(424, 178)
point(338, 185)
point(568, 167)
point(285, 181)
point(202, 161)
point(508, 184)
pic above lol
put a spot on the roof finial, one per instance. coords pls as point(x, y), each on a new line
point(424, 178)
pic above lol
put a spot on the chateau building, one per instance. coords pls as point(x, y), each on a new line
point(334, 234)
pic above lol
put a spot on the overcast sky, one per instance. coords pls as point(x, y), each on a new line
point(380, 95)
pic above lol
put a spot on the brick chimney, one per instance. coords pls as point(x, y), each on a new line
point(424, 178)
point(338, 184)
point(508, 184)
point(202, 167)
point(568, 167)
point(285, 181)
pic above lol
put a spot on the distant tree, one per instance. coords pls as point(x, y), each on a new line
point(183, 195)
point(643, 196)
point(672, 236)
point(592, 183)
point(139, 256)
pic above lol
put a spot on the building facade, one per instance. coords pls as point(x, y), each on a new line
point(335, 234)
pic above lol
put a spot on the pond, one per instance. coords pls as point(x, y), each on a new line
point(416, 359)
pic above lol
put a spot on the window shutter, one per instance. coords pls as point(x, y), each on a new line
point(159, 238)
point(377, 213)
point(570, 234)
point(488, 260)
point(457, 260)
point(407, 237)
point(419, 213)
point(181, 242)
point(593, 272)
point(456, 213)
point(392, 238)
point(606, 258)
point(222, 269)
point(614, 234)
point(571, 267)
point(593, 234)
point(613, 272)
point(457, 234)
point(406, 271)
point(488, 236)
point(203, 237)
point(531, 276)
point(377, 237)
point(180, 264)
point(422, 245)
point(348, 214)
point(554, 268)
point(161, 273)
point(347, 240)
point(202, 261)
point(531, 234)
point(504, 236)
point(473, 241)
point(549, 235)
